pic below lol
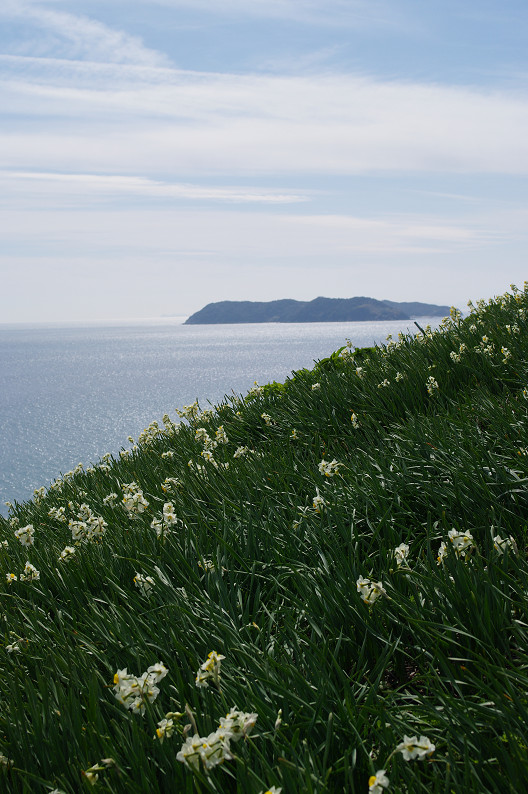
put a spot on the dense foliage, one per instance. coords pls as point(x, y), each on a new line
point(341, 557)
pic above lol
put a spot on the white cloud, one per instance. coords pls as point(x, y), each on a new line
point(56, 187)
point(76, 36)
point(232, 236)
point(329, 13)
point(115, 118)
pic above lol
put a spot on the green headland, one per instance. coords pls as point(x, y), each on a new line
point(319, 310)
point(320, 586)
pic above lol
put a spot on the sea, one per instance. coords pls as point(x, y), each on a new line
point(69, 393)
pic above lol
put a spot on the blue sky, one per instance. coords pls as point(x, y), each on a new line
point(156, 155)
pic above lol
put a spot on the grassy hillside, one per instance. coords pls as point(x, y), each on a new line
point(341, 559)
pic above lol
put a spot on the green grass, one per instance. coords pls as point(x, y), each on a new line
point(252, 571)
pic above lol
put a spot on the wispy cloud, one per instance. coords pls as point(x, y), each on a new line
point(129, 119)
point(87, 187)
point(329, 13)
point(76, 36)
point(231, 233)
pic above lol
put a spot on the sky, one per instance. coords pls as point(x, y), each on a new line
point(158, 155)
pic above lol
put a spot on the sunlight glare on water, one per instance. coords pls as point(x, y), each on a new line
point(68, 394)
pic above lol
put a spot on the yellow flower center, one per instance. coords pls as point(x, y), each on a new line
point(372, 780)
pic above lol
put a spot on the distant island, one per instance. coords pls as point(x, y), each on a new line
point(319, 310)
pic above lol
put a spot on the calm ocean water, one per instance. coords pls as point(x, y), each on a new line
point(68, 394)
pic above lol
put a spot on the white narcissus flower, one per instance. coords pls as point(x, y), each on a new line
point(319, 503)
point(442, 552)
point(25, 535)
point(91, 776)
point(273, 790)
point(329, 469)
point(369, 591)
point(189, 753)
point(401, 553)
point(432, 385)
point(462, 542)
point(144, 583)
point(238, 724)
point(502, 544)
point(220, 436)
point(209, 669)
point(156, 672)
point(30, 573)
point(66, 553)
point(58, 514)
point(133, 692)
point(378, 782)
point(412, 747)
point(169, 515)
point(165, 729)
point(209, 750)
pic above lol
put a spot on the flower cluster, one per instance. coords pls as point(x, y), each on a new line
point(66, 553)
point(214, 749)
point(40, 493)
point(369, 591)
point(462, 542)
point(255, 390)
point(202, 435)
point(189, 412)
point(329, 469)
point(413, 748)
point(504, 544)
point(149, 434)
point(30, 573)
point(163, 526)
point(241, 452)
point(133, 692)
point(170, 484)
point(25, 535)
point(144, 583)
point(58, 514)
point(209, 669)
point(88, 526)
point(431, 385)
point(133, 500)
